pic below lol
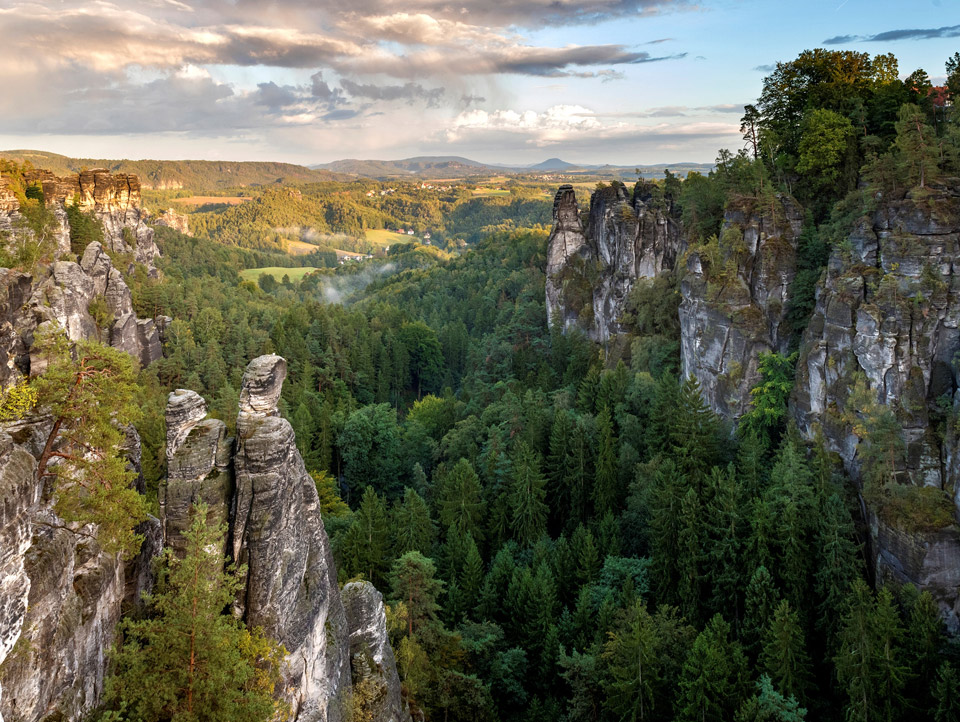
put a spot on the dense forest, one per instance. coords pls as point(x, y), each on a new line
point(560, 533)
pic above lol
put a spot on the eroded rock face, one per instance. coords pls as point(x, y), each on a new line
point(113, 199)
point(174, 220)
point(374, 669)
point(198, 467)
point(591, 269)
point(291, 586)
point(21, 494)
point(735, 301)
point(888, 312)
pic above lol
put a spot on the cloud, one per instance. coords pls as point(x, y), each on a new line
point(766, 68)
point(947, 31)
point(408, 92)
point(569, 124)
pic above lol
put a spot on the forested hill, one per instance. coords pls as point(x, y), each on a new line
point(197, 175)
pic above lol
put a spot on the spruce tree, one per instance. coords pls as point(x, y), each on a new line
point(606, 492)
point(413, 529)
point(461, 500)
point(784, 655)
point(713, 682)
point(366, 544)
point(691, 547)
point(761, 599)
point(527, 496)
point(946, 691)
point(837, 557)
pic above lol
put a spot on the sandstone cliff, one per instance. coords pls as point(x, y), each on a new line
point(60, 595)
point(114, 200)
point(593, 265)
point(735, 294)
point(375, 681)
point(888, 312)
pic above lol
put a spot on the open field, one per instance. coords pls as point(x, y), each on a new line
point(299, 248)
point(383, 237)
point(487, 192)
point(278, 272)
point(204, 200)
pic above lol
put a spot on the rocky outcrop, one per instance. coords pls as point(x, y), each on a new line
point(198, 467)
point(889, 311)
point(20, 494)
point(592, 266)
point(114, 200)
point(73, 592)
point(64, 298)
point(735, 295)
point(291, 583)
point(888, 314)
point(376, 685)
point(174, 220)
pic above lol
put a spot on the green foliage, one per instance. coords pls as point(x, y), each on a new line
point(768, 410)
point(189, 660)
point(89, 391)
point(84, 229)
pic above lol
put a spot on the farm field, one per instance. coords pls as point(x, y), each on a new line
point(296, 274)
point(300, 248)
point(383, 237)
point(205, 200)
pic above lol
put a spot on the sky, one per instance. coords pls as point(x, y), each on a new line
point(502, 81)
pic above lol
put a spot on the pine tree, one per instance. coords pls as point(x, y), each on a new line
point(89, 391)
point(559, 496)
point(413, 529)
point(924, 642)
point(190, 660)
point(784, 655)
point(527, 497)
point(770, 706)
point(665, 529)
point(723, 553)
point(413, 581)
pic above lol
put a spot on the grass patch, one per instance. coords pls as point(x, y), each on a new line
point(278, 272)
point(383, 237)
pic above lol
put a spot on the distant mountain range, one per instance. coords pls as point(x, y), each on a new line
point(207, 175)
point(455, 167)
point(197, 175)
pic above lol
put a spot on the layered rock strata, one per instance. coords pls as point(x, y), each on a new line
point(198, 467)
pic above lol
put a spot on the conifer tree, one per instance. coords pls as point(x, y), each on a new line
point(714, 677)
point(606, 493)
point(837, 564)
point(413, 529)
point(461, 500)
point(946, 691)
point(366, 543)
point(527, 496)
point(471, 578)
point(89, 391)
point(691, 546)
point(761, 599)
point(784, 655)
point(190, 660)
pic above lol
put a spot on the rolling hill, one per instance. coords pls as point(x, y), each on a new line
point(198, 175)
